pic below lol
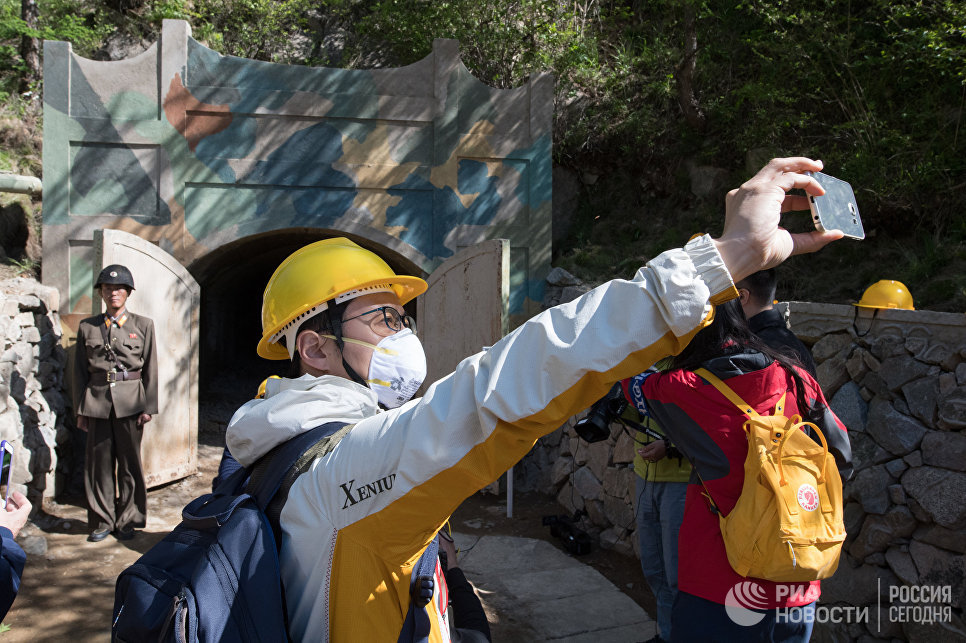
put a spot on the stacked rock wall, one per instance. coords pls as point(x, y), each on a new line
point(33, 401)
point(898, 381)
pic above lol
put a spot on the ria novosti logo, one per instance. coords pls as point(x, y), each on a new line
point(747, 604)
point(743, 602)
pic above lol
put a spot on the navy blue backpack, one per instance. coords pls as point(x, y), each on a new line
point(215, 577)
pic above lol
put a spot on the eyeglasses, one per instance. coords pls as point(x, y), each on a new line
point(391, 319)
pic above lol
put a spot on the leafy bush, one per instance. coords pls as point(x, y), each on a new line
point(501, 41)
point(875, 88)
point(83, 25)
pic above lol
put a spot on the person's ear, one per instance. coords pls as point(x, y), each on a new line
point(315, 352)
point(744, 296)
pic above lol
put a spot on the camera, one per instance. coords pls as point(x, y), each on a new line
point(596, 426)
point(575, 540)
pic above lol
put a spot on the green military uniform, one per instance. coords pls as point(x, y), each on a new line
point(113, 392)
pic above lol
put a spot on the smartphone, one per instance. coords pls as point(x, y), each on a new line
point(836, 209)
point(6, 473)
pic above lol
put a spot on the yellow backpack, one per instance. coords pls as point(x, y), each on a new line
point(787, 524)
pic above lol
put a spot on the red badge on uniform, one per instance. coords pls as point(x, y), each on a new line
point(132, 336)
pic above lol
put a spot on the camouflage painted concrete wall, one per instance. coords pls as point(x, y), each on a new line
point(192, 150)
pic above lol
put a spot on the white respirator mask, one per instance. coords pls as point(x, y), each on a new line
point(397, 368)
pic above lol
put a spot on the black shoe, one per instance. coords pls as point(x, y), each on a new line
point(98, 535)
point(124, 534)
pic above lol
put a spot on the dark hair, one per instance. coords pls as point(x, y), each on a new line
point(729, 334)
point(761, 285)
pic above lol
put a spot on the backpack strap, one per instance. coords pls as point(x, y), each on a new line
point(780, 436)
point(324, 445)
point(726, 390)
point(754, 418)
point(273, 476)
point(416, 627)
point(275, 472)
point(269, 471)
point(735, 399)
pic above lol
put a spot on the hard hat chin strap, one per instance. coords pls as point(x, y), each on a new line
point(855, 317)
point(335, 322)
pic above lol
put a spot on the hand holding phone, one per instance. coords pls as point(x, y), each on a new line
point(836, 209)
point(6, 472)
point(14, 515)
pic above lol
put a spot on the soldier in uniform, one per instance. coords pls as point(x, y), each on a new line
point(115, 389)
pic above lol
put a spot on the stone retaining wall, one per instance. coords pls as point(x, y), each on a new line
point(898, 382)
point(33, 398)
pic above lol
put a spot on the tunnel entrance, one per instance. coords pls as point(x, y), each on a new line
point(232, 279)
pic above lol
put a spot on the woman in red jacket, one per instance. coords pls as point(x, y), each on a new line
point(714, 602)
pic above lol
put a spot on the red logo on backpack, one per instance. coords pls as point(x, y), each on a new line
point(808, 497)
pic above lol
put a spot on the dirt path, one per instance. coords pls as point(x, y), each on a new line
point(68, 590)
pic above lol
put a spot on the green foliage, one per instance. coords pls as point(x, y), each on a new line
point(84, 26)
point(876, 89)
point(257, 29)
point(20, 135)
point(502, 41)
point(23, 268)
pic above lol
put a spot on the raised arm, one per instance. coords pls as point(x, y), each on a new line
point(475, 423)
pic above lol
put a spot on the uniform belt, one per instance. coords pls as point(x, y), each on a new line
point(100, 377)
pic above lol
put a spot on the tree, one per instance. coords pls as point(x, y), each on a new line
point(29, 49)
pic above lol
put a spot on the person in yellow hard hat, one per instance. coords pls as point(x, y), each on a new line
point(260, 394)
point(228, 464)
point(315, 289)
point(361, 514)
point(885, 294)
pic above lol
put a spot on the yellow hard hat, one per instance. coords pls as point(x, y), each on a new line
point(886, 294)
point(331, 269)
point(261, 387)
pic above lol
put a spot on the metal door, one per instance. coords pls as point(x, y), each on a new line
point(168, 294)
point(466, 306)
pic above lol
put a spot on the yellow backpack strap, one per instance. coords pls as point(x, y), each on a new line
point(780, 407)
point(798, 426)
point(743, 406)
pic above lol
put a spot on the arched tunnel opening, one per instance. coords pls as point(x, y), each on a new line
point(232, 280)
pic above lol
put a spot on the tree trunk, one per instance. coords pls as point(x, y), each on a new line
point(686, 98)
point(29, 47)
